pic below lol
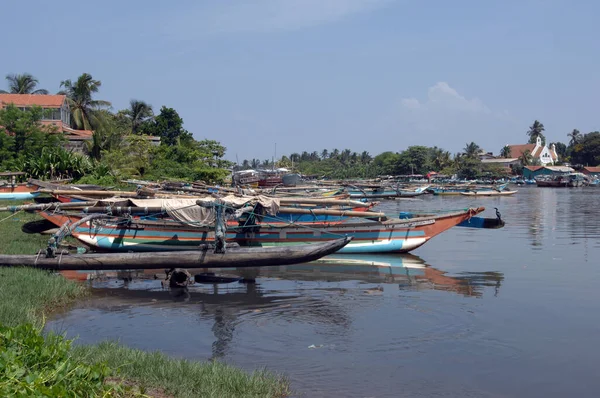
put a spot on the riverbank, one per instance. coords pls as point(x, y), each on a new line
point(28, 297)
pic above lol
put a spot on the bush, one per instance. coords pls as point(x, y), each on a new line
point(31, 365)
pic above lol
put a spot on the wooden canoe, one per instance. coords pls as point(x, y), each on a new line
point(489, 193)
point(206, 258)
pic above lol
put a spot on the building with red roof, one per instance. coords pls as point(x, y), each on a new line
point(56, 113)
point(546, 154)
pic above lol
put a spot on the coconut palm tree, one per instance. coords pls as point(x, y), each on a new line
point(471, 150)
point(575, 136)
point(365, 157)
point(324, 154)
point(535, 131)
point(138, 113)
point(505, 152)
point(23, 84)
point(526, 158)
point(83, 106)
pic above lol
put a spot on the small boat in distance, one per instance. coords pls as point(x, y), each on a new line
point(489, 193)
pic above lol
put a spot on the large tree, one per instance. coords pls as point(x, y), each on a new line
point(167, 125)
point(471, 150)
point(138, 113)
point(505, 152)
point(83, 105)
point(23, 84)
point(575, 137)
point(535, 131)
point(587, 151)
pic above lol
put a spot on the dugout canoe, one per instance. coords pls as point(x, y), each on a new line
point(237, 257)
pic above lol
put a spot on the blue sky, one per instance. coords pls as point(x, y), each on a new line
point(370, 75)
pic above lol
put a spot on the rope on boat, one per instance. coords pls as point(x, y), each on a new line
point(6, 218)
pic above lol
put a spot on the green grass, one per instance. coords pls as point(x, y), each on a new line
point(183, 378)
point(28, 296)
point(15, 241)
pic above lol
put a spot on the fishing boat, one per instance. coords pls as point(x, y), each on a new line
point(569, 180)
point(456, 190)
point(205, 257)
point(114, 233)
point(11, 190)
point(489, 193)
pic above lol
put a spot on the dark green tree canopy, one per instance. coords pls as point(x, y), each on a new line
point(167, 125)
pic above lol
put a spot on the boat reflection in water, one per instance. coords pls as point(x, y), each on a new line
point(329, 292)
point(410, 272)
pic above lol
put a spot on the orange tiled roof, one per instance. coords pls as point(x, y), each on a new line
point(592, 169)
point(45, 101)
point(516, 151)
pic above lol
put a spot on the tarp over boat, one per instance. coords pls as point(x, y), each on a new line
point(187, 210)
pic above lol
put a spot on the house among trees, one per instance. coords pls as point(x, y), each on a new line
point(56, 112)
point(546, 155)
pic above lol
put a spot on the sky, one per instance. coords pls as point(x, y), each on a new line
point(272, 77)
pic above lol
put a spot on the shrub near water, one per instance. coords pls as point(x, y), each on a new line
point(34, 366)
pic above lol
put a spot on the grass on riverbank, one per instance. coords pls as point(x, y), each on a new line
point(28, 295)
point(183, 378)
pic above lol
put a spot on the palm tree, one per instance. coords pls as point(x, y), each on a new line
point(324, 154)
point(23, 84)
point(365, 157)
point(83, 106)
point(335, 153)
point(535, 131)
point(505, 152)
point(471, 150)
point(526, 158)
point(575, 137)
point(138, 113)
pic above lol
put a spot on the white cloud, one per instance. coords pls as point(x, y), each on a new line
point(449, 120)
point(443, 97)
point(263, 15)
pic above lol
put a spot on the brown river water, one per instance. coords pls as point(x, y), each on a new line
point(511, 312)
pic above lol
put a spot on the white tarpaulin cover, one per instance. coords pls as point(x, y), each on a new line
point(187, 211)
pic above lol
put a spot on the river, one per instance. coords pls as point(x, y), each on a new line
point(482, 313)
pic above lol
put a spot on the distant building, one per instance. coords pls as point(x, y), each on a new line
point(546, 155)
point(591, 171)
point(57, 113)
point(530, 172)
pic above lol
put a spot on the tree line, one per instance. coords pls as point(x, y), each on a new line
point(120, 147)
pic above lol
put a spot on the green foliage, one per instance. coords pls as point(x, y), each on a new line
point(34, 365)
point(56, 162)
point(468, 167)
point(587, 151)
point(138, 113)
point(535, 131)
point(195, 160)
point(414, 160)
point(23, 84)
point(167, 125)
point(83, 106)
point(505, 152)
point(22, 136)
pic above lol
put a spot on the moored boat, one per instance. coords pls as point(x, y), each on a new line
point(127, 234)
point(199, 258)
